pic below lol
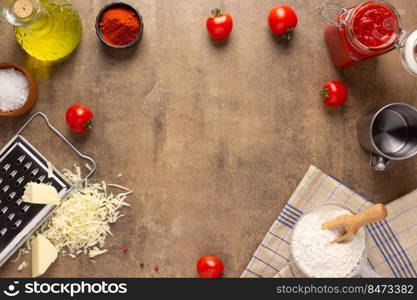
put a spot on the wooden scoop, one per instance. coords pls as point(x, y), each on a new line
point(351, 223)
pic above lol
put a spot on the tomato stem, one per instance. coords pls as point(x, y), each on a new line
point(216, 12)
point(324, 93)
point(88, 125)
point(288, 34)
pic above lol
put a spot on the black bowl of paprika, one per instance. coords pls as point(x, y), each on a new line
point(119, 25)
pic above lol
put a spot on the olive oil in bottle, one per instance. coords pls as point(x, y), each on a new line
point(48, 30)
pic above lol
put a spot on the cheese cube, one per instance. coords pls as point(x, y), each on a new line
point(43, 255)
point(40, 193)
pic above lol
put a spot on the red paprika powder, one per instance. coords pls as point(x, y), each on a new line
point(119, 26)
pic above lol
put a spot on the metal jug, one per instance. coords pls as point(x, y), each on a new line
point(390, 133)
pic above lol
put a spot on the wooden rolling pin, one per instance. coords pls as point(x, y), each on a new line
point(351, 223)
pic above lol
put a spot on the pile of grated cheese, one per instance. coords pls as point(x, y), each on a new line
point(81, 223)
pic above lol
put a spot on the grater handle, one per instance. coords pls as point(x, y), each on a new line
point(62, 137)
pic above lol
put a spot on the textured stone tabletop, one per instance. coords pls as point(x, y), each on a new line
point(213, 137)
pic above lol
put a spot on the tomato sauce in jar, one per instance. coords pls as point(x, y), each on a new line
point(374, 25)
point(370, 29)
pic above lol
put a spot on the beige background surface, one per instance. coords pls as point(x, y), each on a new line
point(213, 137)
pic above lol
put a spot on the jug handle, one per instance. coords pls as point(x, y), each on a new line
point(367, 272)
point(331, 6)
point(379, 163)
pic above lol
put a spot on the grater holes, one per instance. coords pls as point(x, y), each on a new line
point(11, 196)
point(3, 210)
point(20, 159)
point(18, 202)
point(40, 179)
point(17, 224)
point(20, 180)
point(34, 172)
point(27, 166)
point(3, 231)
point(27, 215)
point(11, 217)
point(25, 209)
point(13, 174)
point(4, 189)
point(5, 168)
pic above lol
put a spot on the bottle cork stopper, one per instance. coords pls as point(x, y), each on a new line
point(22, 8)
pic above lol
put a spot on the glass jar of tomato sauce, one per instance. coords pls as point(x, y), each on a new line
point(367, 30)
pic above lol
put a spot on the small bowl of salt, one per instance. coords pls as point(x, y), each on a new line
point(18, 90)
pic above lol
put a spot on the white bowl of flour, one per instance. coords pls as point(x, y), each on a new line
point(316, 255)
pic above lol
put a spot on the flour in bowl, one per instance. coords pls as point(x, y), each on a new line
point(314, 251)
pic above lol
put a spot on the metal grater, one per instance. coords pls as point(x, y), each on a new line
point(21, 163)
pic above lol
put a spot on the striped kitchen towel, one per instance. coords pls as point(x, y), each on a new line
point(393, 241)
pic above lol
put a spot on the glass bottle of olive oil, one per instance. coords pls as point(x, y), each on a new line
point(48, 30)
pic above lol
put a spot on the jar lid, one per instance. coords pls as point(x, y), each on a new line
point(409, 52)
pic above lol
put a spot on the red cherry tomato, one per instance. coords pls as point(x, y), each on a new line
point(219, 24)
point(282, 21)
point(210, 267)
point(334, 93)
point(79, 118)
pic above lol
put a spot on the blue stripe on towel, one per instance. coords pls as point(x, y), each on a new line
point(371, 264)
point(256, 274)
point(348, 198)
point(282, 219)
point(275, 252)
point(378, 234)
point(292, 272)
point(295, 208)
point(289, 216)
point(349, 187)
point(286, 224)
point(291, 211)
point(402, 249)
point(370, 230)
point(394, 249)
point(315, 191)
point(362, 205)
point(266, 263)
point(332, 193)
point(277, 236)
point(399, 250)
point(405, 211)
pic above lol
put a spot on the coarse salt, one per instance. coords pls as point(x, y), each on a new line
point(14, 89)
point(314, 251)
